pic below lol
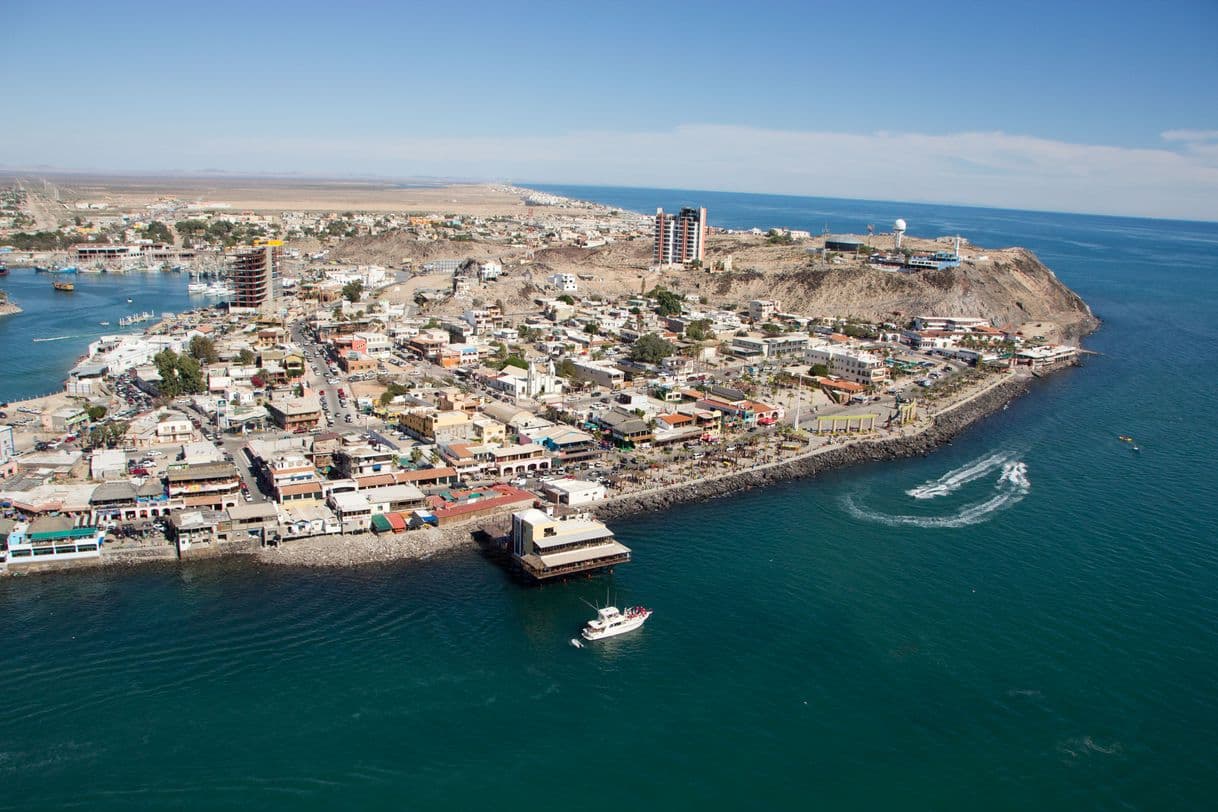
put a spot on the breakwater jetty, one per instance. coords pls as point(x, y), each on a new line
point(944, 426)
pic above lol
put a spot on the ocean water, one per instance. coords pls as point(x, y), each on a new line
point(39, 345)
point(1025, 619)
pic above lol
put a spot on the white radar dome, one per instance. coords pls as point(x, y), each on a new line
point(899, 225)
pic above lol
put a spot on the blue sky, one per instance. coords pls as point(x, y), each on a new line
point(1070, 106)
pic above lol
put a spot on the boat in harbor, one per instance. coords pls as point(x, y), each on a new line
point(136, 318)
point(611, 621)
point(208, 289)
point(67, 287)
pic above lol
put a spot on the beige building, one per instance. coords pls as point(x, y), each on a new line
point(546, 546)
point(438, 427)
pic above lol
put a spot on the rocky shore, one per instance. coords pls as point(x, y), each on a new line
point(367, 548)
point(946, 426)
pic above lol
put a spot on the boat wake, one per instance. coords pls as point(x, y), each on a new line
point(953, 481)
point(1010, 487)
point(55, 338)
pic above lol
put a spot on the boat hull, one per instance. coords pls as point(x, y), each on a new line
point(615, 630)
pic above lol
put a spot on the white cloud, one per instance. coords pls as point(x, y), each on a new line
point(1190, 135)
point(1179, 180)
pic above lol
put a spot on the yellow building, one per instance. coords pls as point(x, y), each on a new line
point(437, 426)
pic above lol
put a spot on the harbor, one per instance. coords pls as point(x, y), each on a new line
point(64, 324)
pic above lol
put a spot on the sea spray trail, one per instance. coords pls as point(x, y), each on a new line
point(953, 480)
point(1010, 488)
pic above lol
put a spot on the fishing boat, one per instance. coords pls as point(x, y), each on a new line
point(64, 286)
point(103, 323)
point(1125, 438)
point(611, 621)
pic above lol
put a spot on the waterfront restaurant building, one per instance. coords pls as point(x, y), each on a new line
point(52, 539)
point(547, 547)
point(214, 485)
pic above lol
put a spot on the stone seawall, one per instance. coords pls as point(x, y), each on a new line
point(368, 549)
point(946, 426)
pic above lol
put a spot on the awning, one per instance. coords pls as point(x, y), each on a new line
point(381, 524)
point(396, 522)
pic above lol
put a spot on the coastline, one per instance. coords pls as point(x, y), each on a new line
point(368, 549)
point(946, 425)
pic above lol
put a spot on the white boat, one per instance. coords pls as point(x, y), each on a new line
point(611, 621)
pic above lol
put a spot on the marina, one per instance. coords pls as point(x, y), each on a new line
point(136, 318)
point(72, 321)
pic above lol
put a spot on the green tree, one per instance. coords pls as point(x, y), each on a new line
point(180, 374)
point(96, 413)
point(514, 361)
point(203, 349)
point(190, 230)
point(698, 330)
point(567, 298)
point(190, 374)
point(819, 370)
point(158, 232)
point(668, 303)
point(353, 290)
point(592, 328)
point(651, 349)
point(565, 368)
point(246, 357)
point(771, 329)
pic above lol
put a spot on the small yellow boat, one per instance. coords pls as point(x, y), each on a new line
point(68, 286)
point(1125, 438)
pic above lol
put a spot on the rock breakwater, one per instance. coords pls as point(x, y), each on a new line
point(945, 426)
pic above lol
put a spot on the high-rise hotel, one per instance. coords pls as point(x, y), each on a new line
point(253, 274)
point(680, 238)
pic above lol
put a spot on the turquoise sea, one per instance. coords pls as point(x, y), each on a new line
point(1026, 619)
point(39, 345)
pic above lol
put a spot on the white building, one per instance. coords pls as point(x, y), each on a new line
point(105, 464)
point(849, 363)
point(490, 270)
point(762, 310)
point(564, 282)
point(573, 491)
point(377, 344)
point(531, 383)
point(948, 323)
point(599, 373)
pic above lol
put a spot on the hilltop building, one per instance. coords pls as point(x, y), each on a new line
point(680, 238)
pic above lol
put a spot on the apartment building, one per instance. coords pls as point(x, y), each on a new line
point(679, 238)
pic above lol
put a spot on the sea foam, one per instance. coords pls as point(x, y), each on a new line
point(1010, 487)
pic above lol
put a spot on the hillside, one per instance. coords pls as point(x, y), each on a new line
point(1009, 286)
